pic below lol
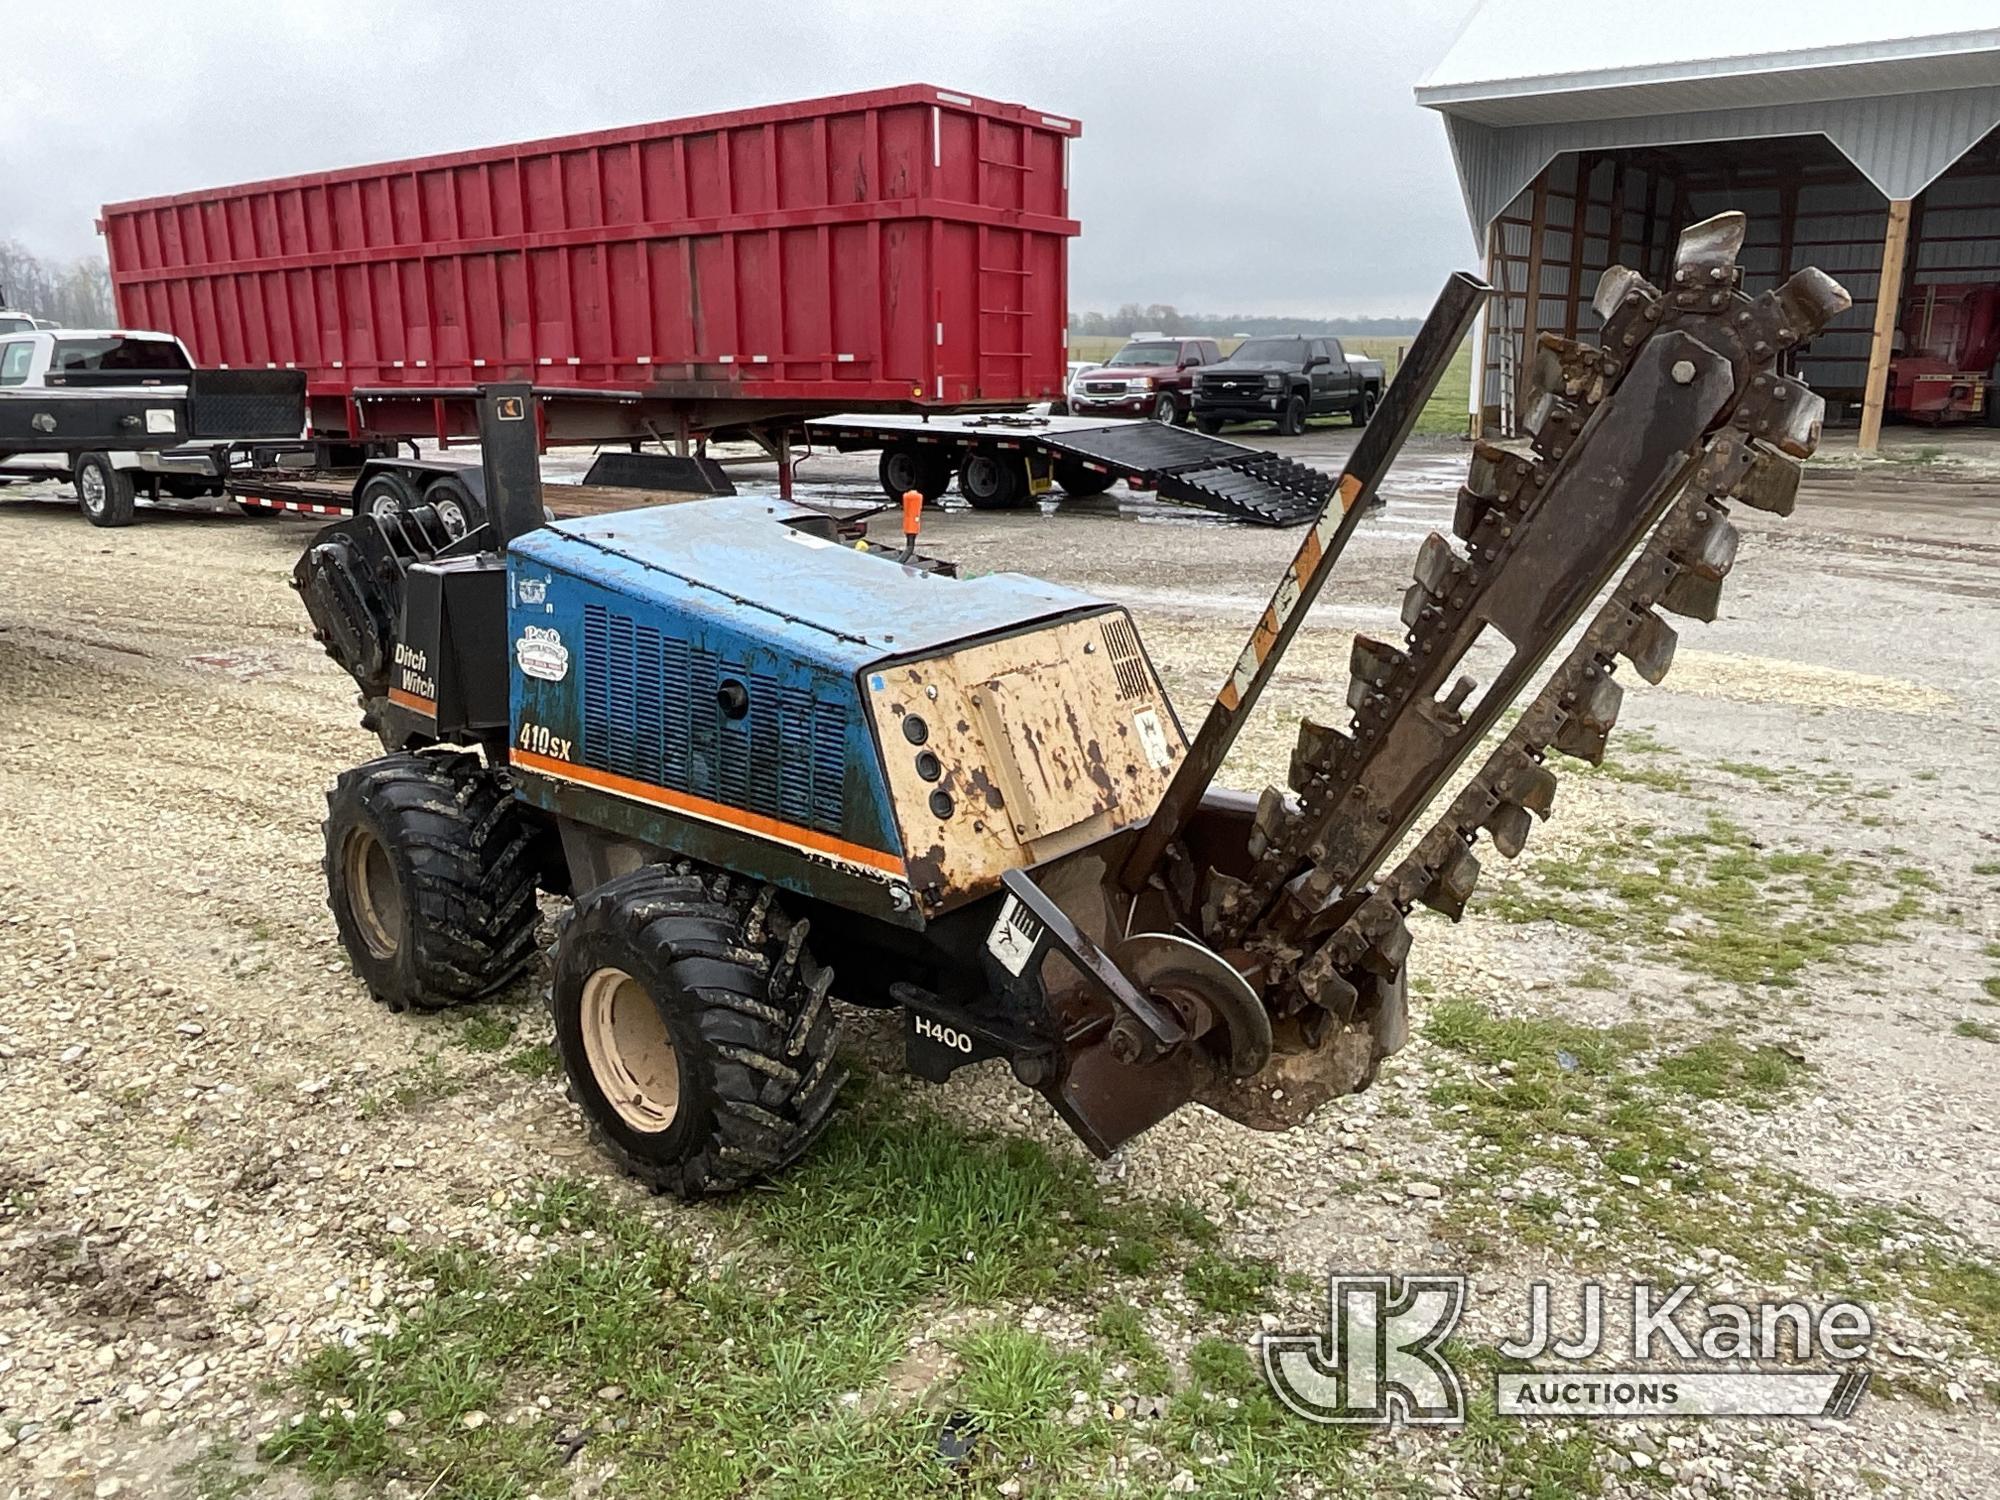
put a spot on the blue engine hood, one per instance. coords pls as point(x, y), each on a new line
point(738, 557)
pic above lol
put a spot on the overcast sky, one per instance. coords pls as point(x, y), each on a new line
point(1236, 157)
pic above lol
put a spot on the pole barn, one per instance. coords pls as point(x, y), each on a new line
point(1871, 153)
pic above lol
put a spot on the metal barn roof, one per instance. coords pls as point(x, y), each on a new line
point(1529, 79)
point(1533, 61)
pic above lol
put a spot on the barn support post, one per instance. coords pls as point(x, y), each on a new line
point(1475, 395)
point(1579, 215)
point(1538, 229)
point(1888, 294)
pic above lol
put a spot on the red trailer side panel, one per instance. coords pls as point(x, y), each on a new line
point(905, 246)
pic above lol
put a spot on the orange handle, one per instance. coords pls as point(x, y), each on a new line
point(913, 512)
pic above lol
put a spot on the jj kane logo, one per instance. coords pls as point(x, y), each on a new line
point(1382, 1358)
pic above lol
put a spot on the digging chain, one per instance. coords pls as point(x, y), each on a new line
point(1639, 443)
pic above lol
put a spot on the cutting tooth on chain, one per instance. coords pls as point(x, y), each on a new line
point(1588, 724)
point(1693, 596)
point(1529, 783)
point(1276, 809)
point(1381, 922)
point(1771, 483)
point(1650, 646)
point(1319, 749)
point(1509, 823)
point(1472, 509)
point(1320, 980)
point(1437, 565)
point(1418, 602)
point(1483, 475)
point(1220, 901)
point(1451, 887)
point(1372, 663)
point(1713, 552)
point(1614, 286)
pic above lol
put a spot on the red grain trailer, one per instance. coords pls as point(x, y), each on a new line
point(899, 250)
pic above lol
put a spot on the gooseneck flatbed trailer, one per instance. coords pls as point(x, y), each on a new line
point(1005, 461)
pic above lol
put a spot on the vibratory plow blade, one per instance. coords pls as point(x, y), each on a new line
point(1638, 445)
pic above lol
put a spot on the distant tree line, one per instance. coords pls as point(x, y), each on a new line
point(76, 294)
point(1158, 317)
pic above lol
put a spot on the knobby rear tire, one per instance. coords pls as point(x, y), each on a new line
point(431, 873)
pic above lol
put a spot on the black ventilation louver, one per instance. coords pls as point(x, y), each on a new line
point(1121, 643)
point(653, 711)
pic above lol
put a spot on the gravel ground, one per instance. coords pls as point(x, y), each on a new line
point(208, 1135)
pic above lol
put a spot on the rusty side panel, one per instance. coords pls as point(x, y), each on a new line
point(1038, 744)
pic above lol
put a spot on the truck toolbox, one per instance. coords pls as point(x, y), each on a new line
point(903, 248)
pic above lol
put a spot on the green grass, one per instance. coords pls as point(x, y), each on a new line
point(776, 1361)
point(1227, 1286)
point(1122, 1332)
point(536, 1061)
point(1717, 902)
point(1978, 1031)
point(1987, 867)
point(484, 1030)
point(1598, 1106)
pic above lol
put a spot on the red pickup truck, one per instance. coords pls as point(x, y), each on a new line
point(1149, 377)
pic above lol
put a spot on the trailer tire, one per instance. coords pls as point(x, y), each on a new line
point(1209, 425)
point(385, 496)
point(905, 466)
point(431, 873)
point(104, 494)
point(457, 511)
point(1079, 481)
point(990, 481)
point(1292, 420)
point(695, 1029)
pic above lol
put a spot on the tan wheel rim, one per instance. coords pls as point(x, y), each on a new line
point(373, 894)
point(630, 1050)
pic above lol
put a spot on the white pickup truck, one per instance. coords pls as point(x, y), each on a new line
point(142, 381)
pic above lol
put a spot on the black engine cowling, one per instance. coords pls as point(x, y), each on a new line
point(352, 578)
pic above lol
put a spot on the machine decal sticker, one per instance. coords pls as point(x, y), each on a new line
point(531, 590)
point(809, 840)
point(1014, 936)
point(540, 652)
point(414, 687)
point(539, 739)
point(1152, 738)
point(944, 1036)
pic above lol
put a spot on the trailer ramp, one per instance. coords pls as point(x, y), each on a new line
point(1194, 469)
point(1179, 465)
